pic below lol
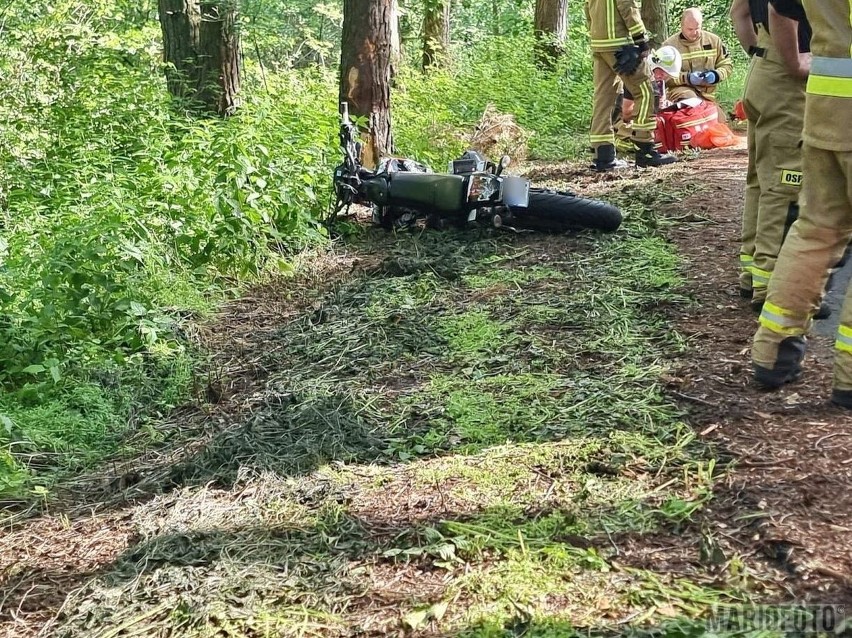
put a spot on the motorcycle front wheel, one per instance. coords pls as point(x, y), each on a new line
point(557, 212)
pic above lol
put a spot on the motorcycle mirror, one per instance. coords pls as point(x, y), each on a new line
point(504, 162)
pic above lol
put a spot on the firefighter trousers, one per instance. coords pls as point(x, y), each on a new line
point(749, 221)
point(774, 104)
point(637, 83)
point(816, 242)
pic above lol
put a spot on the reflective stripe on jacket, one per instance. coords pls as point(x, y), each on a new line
point(706, 53)
point(828, 106)
point(613, 23)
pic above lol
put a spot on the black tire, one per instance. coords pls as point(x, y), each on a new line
point(557, 212)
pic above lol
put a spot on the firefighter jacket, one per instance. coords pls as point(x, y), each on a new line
point(614, 23)
point(705, 54)
point(828, 103)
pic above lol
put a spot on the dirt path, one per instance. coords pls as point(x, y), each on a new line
point(290, 506)
point(792, 449)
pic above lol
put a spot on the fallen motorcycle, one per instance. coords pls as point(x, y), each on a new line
point(401, 191)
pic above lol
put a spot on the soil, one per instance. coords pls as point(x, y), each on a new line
point(792, 448)
point(790, 451)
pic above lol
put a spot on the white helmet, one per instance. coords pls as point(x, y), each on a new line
point(668, 59)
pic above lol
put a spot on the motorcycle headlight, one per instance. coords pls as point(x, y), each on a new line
point(482, 188)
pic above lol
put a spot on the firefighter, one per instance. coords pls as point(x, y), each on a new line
point(745, 20)
point(774, 103)
point(705, 60)
point(819, 236)
point(665, 64)
point(620, 49)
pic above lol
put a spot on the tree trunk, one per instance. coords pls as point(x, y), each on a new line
point(495, 17)
point(655, 17)
point(179, 21)
point(201, 49)
point(436, 32)
point(550, 24)
point(365, 71)
point(396, 38)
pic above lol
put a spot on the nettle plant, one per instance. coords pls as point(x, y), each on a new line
point(122, 198)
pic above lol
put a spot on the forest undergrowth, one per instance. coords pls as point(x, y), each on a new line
point(436, 433)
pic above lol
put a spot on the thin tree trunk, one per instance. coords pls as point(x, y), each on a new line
point(396, 39)
point(436, 32)
point(220, 71)
point(180, 21)
point(365, 71)
point(551, 25)
point(655, 17)
point(201, 49)
point(495, 17)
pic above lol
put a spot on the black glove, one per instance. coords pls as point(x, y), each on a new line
point(627, 59)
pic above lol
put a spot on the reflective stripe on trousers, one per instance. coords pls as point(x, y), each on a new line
point(782, 321)
point(844, 338)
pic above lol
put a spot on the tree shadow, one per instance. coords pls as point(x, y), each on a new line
point(348, 379)
point(342, 574)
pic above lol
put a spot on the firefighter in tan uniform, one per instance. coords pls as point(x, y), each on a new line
point(819, 236)
point(774, 102)
point(620, 50)
point(705, 60)
point(745, 26)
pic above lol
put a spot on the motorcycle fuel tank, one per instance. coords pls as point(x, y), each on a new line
point(434, 191)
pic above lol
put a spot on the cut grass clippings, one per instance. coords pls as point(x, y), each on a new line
point(458, 440)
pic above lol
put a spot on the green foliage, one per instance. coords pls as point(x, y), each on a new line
point(119, 195)
point(121, 216)
point(550, 103)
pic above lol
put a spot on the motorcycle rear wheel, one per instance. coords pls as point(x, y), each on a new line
point(558, 212)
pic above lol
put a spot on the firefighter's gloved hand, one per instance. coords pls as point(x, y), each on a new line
point(627, 59)
point(696, 78)
point(711, 77)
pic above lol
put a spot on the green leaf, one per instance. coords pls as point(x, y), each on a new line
point(7, 423)
point(138, 309)
point(34, 369)
point(417, 619)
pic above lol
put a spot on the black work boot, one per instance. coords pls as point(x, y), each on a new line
point(647, 156)
point(843, 398)
point(605, 159)
point(823, 312)
point(788, 365)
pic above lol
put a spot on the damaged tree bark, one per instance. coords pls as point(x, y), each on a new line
point(365, 68)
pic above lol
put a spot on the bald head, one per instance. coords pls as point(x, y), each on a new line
point(690, 24)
